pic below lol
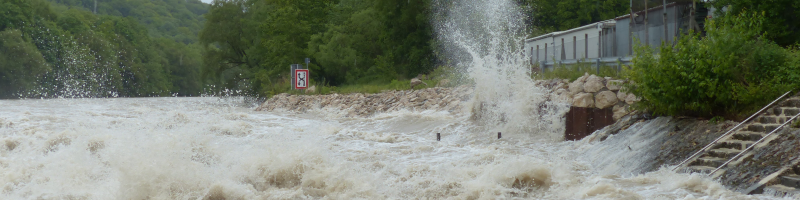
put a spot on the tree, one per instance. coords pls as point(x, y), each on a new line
point(782, 19)
point(20, 63)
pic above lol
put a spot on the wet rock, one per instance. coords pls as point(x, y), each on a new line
point(415, 82)
point(605, 99)
point(443, 83)
point(593, 84)
point(631, 99)
point(622, 95)
point(614, 85)
point(619, 111)
point(583, 78)
point(576, 87)
point(584, 100)
point(311, 89)
point(442, 99)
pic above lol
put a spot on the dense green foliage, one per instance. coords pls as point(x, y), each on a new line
point(179, 20)
point(557, 15)
point(734, 69)
point(250, 44)
point(782, 17)
point(74, 53)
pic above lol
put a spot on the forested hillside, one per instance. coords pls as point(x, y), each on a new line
point(249, 44)
point(179, 20)
point(62, 49)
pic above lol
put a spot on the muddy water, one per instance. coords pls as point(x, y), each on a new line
point(208, 148)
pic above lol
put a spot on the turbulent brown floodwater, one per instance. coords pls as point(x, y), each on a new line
point(212, 148)
point(219, 148)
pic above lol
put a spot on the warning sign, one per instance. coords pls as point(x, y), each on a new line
point(301, 78)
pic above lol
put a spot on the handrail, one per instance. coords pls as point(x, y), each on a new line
point(754, 144)
point(731, 131)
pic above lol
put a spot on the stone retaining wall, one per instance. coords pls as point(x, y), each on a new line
point(590, 91)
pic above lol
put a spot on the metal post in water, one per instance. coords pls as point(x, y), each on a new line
point(438, 137)
point(499, 135)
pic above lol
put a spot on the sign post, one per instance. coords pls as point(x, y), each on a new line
point(301, 79)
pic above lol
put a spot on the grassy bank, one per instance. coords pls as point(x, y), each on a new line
point(573, 72)
point(442, 76)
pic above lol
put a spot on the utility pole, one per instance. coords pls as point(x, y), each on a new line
point(691, 15)
point(646, 29)
point(630, 31)
point(666, 28)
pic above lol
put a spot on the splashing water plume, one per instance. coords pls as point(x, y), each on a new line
point(484, 38)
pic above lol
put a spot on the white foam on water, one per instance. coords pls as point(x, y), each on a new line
point(201, 148)
point(204, 148)
point(484, 38)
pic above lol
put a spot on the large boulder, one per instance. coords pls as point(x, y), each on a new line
point(562, 95)
point(593, 84)
point(576, 87)
point(614, 85)
point(631, 99)
point(583, 78)
point(605, 99)
point(619, 112)
point(415, 82)
point(443, 83)
point(622, 95)
point(311, 89)
point(583, 100)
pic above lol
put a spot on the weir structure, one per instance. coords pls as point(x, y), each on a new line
point(757, 131)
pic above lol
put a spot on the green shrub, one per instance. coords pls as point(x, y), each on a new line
point(731, 72)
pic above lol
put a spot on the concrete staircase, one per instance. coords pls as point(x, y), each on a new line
point(789, 185)
point(752, 131)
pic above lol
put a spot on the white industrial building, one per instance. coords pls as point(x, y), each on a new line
point(609, 41)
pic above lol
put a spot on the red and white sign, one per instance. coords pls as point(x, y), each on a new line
point(301, 78)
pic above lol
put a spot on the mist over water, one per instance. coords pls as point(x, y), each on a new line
point(220, 148)
point(485, 38)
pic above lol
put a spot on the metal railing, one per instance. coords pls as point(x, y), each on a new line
point(755, 143)
point(731, 131)
point(597, 62)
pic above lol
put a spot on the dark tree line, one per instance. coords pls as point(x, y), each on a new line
point(62, 49)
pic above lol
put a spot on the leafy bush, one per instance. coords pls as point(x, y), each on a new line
point(731, 72)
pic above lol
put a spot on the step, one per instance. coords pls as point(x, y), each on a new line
point(767, 119)
point(781, 191)
point(791, 111)
point(791, 102)
point(748, 135)
point(709, 161)
point(762, 128)
point(701, 169)
point(734, 144)
point(791, 180)
point(723, 153)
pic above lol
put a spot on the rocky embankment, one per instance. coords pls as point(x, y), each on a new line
point(364, 105)
point(590, 91)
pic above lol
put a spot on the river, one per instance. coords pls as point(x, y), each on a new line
point(219, 148)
